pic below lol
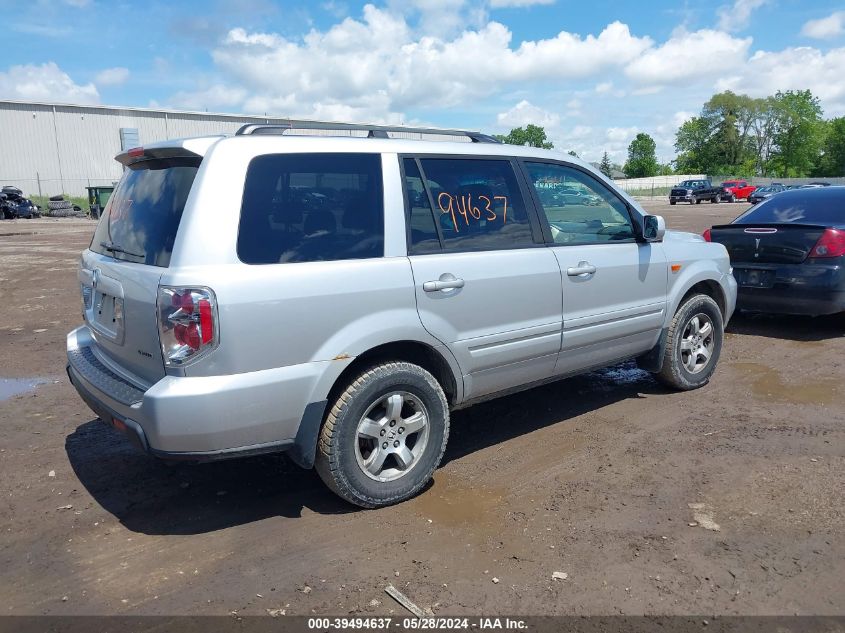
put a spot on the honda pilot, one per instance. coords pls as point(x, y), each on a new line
point(335, 292)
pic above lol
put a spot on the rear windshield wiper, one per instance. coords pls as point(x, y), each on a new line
point(114, 248)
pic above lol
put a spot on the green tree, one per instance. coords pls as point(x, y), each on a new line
point(642, 160)
point(572, 152)
point(832, 161)
point(798, 133)
point(695, 147)
point(531, 135)
point(605, 167)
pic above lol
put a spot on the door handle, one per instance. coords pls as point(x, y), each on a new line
point(447, 281)
point(583, 269)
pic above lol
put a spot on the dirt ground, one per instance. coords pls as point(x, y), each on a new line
point(597, 477)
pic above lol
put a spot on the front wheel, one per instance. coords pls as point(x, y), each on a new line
point(672, 202)
point(693, 344)
point(697, 201)
point(384, 435)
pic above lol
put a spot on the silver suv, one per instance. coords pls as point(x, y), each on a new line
point(335, 297)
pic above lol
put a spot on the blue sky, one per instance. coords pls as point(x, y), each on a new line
point(593, 73)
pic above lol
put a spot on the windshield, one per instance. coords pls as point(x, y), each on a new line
point(142, 217)
point(800, 206)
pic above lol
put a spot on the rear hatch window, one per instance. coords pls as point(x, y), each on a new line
point(143, 214)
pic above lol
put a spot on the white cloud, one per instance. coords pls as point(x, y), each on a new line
point(799, 68)
point(825, 28)
point(689, 56)
point(46, 82)
point(214, 97)
point(605, 86)
point(378, 66)
point(499, 4)
point(112, 76)
point(524, 113)
point(735, 17)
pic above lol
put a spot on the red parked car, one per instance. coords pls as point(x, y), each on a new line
point(736, 190)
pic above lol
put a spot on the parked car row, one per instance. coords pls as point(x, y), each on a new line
point(13, 204)
point(694, 191)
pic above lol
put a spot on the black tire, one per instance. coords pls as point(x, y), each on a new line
point(697, 201)
point(732, 198)
point(714, 200)
point(56, 198)
point(675, 373)
point(672, 202)
point(339, 447)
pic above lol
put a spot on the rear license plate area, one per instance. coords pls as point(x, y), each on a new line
point(754, 278)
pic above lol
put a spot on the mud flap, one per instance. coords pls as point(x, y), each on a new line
point(652, 360)
point(304, 448)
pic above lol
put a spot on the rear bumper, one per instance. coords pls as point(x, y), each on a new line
point(196, 418)
point(804, 289)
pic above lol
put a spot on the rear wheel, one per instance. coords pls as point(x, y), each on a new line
point(697, 201)
point(672, 202)
point(714, 200)
point(693, 344)
point(384, 435)
point(732, 198)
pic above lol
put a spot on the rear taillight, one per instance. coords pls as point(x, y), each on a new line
point(187, 323)
point(830, 244)
point(706, 235)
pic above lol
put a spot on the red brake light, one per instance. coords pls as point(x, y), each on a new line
point(706, 235)
point(136, 151)
point(187, 323)
point(830, 244)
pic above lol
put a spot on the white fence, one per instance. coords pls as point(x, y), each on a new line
point(654, 184)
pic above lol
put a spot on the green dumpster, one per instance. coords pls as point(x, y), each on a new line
point(97, 199)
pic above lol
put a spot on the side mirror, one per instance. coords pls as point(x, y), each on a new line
point(654, 228)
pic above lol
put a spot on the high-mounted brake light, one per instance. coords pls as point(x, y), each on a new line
point(187, 323)
point(706, 235)
point(830, 244)
point(136, 151)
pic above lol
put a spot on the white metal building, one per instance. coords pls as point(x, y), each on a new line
point(52, 148)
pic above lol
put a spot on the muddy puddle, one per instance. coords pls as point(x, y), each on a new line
point(452, 501)
point(10, 387)
point(767, 384)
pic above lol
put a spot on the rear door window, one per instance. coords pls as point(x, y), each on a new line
point(478, 204)
point(143, 214)
point(311, 207)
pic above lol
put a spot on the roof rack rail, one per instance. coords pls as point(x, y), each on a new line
point(373, 131)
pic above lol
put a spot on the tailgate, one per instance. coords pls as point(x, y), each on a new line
point(120, 310)
point(131, 248)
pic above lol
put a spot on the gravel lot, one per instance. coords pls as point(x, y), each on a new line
point(726, 500)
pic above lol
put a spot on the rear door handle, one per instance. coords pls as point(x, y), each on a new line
point(583, 269)
point(447, 281)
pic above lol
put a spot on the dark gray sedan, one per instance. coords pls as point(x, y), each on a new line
point(788, 252)
point(762, 193)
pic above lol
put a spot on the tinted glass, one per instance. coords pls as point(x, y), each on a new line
point(421, 226)
point(142, 217)
point(312, 207)
point(579, 209)
point(800, 206)
point(478, 204)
